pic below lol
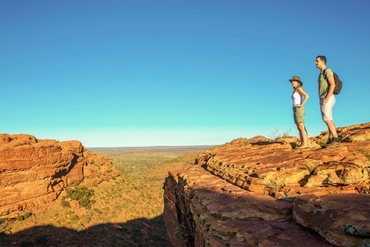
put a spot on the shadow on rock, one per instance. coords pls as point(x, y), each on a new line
point(139, 232)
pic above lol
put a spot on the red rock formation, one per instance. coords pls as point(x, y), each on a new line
point(262, 192)
point(34, 172)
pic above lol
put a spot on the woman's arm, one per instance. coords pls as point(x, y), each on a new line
point(304, 94)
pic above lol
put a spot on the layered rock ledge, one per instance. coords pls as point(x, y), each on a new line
point(262, 192)
point(34, 172)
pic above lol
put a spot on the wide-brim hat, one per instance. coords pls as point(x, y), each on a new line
point(296, 78)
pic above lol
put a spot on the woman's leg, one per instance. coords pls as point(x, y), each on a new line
point(302, 134)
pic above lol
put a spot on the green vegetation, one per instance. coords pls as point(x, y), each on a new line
point(364, 152)
point(24, 216)
point(277, 134)
point(79, 193)
point(321, 142)
point(5, 223)
point(184, 231)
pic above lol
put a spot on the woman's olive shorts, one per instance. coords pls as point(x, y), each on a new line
point(298, 114)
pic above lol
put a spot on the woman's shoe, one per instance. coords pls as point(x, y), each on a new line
point(302, 146)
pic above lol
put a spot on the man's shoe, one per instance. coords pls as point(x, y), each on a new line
point(330, 140)
point(334, 143)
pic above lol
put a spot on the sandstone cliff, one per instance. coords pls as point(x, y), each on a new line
point(262, 192)
point(34, 172)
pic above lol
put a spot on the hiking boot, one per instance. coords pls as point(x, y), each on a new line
point(330, 140)
point(334, 143)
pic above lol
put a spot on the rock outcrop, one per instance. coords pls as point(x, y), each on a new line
point(262, 192)
point(34, 172)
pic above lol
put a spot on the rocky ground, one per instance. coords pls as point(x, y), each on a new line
point(263, 192)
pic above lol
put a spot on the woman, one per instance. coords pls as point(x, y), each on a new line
point(299, 97)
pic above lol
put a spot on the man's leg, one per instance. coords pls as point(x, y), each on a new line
point(331, 128)
point(327, 116)
point(333, 135)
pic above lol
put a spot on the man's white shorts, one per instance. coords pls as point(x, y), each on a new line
point(327, 108)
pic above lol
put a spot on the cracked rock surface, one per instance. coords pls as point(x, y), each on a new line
point(263, 192)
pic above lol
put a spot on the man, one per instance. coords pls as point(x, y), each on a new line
point(327, 99)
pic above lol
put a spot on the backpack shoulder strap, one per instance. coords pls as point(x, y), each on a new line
point(323, 73)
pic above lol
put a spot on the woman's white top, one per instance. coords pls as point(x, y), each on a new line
point(297, 98)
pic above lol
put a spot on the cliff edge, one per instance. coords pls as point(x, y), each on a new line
point(34, 172)
point(263, 192)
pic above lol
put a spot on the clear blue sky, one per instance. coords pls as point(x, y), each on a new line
point(146, 73)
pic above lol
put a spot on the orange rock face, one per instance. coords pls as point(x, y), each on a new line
point(262, 192)
point(34, 172)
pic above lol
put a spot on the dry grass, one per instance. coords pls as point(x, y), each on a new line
point(126, 211)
